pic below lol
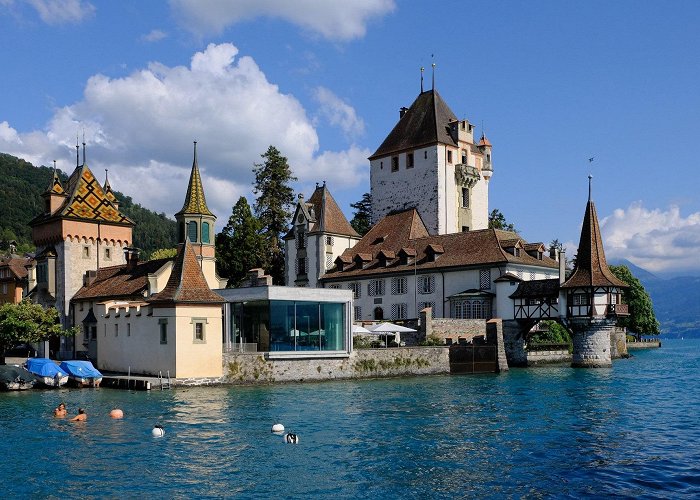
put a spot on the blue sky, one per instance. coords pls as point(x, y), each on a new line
point(553, 83)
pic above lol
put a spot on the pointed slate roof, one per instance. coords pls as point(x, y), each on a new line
point(427, 121)
point(591, 268)
point(186, 283)
point(195, 202)
point(329, 216)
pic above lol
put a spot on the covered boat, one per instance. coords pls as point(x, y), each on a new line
point(82, 373)
point(47, 371)
point(15, 378)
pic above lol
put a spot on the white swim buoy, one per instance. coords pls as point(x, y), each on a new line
point(278, 428)
point(291, 438)
point(158, 431)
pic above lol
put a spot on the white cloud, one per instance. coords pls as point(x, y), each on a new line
point(336, 20)
point(141, 128)
point(339, 113)
point(62, 11)
point(154, 36)
point(654, 239)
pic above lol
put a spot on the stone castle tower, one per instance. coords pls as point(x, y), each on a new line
point(195, 222)
point(593, 297)
point(431, 161)
point(79, 230)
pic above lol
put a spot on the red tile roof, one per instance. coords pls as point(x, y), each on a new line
point(120, 282)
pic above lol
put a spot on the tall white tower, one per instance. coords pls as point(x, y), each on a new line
point(431, 161)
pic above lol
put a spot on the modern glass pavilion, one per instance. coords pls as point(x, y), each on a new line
point(287, 321)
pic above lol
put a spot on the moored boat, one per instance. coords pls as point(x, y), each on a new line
point(47, 372)
point(82, 373)
point(15, 378)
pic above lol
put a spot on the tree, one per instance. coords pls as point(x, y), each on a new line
point(642, 319)
point(30, 323)
point(163, 253)
point(273, 207)
point(498, 221)
point(362, 218)
point(239, 245)
point(552, 332)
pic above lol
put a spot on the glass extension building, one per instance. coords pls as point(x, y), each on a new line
point(287, 322)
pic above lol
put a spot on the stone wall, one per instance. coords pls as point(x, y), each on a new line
point(548, 357)
point(494, 336)
point(618, 343)
point(592, 343)
point(514, 343)
point(450, 328)
point(254, 368)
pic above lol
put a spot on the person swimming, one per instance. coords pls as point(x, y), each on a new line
point(60, 410)
point(80, 417)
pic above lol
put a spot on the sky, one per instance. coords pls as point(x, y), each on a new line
point(551, 83)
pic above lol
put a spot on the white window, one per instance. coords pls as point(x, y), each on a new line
point(398, 311)
point(356, 290)
point(426, 284)
point(375, 288)
point(198, 331)
point(329, 240)
point(398, 286)
point(485, 279)
point(329, 261)
point(357, 313)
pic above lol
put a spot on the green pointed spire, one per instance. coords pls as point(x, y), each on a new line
point(195, 202)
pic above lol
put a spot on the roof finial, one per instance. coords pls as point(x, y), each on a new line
point(433, 56)
point(106, 177)
point(421, 78)
point(54, 167)
point(195, 153)
point(83, 145)
point(324, 183)
point(77, 151)
point(590, 178)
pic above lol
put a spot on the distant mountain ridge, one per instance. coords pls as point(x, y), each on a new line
point(676, 301)
point(20, 201)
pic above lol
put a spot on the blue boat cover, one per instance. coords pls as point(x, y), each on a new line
point(76, 368)
point(44, 367)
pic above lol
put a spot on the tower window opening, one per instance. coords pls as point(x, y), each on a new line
point(394, 163)
point(465, 197)
point(449, 157)
point(192, 231)
point(205, 232)
point(409, 160)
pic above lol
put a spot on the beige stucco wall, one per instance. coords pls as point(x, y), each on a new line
point(198, 359)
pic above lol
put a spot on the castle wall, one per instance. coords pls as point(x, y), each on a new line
point(592, 343)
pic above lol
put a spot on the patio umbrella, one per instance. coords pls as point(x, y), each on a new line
point(357, 329)
point(387, 328)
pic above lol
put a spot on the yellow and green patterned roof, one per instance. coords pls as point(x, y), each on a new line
point(195, 202)
point(87, 199)
point(55, 187)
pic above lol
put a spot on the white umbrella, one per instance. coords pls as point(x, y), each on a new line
point(387, 328)
point(357, 329)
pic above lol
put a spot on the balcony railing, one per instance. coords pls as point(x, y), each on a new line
point(618, 310)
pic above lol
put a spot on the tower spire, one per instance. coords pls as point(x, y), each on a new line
point(590, 179)
point(83, 145)
point(421, 78)
point(195, 203)
point(77, 151)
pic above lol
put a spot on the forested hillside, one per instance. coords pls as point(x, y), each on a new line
point(21, 185)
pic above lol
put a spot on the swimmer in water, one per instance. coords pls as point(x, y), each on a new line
point(60, 410)
point(80, 417)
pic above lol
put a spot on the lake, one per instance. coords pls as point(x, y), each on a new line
point(628, 431)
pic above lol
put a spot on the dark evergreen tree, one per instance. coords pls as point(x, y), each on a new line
point(273, 207)
point(498, 221)
point(362, 218)
point(642, 319)
point(239, 246)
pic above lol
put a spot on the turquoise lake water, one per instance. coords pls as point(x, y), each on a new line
point(629, 431)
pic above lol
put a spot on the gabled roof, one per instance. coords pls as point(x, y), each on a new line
point(195, 202)
point(426, 122)
point(120, 282)
point(186, 283)
point(16, 265)
point(404, 233)
point(536, 289)
point(86, 200)
point(591, 268)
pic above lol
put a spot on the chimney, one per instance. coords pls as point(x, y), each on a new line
point(131, 255)
point(402, 111)
point(553, 253)
point(562, 266)
point(89, 278)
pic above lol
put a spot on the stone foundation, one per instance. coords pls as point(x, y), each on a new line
point(592, 343)
point(514, 343)
point(618, 343)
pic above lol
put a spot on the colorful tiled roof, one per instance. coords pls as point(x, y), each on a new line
point(55, 187)
point(405, 233)
point(108, 190)
point(120, 282)
point(195, 202)
point(591, 267)
point(427, 121)
point(186, 283)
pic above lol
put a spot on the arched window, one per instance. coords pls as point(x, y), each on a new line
point(378, 313)
point(205, 232)
point(192, 231)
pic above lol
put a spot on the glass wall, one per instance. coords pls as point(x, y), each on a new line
point(282, 325)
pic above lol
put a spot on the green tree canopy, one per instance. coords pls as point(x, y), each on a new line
point(239, 246)
point(362, 219)
point(163, 253)
point(28, 322)
point(498, 221)
point(273, 207)
point(552, 332)
point(642, 320)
